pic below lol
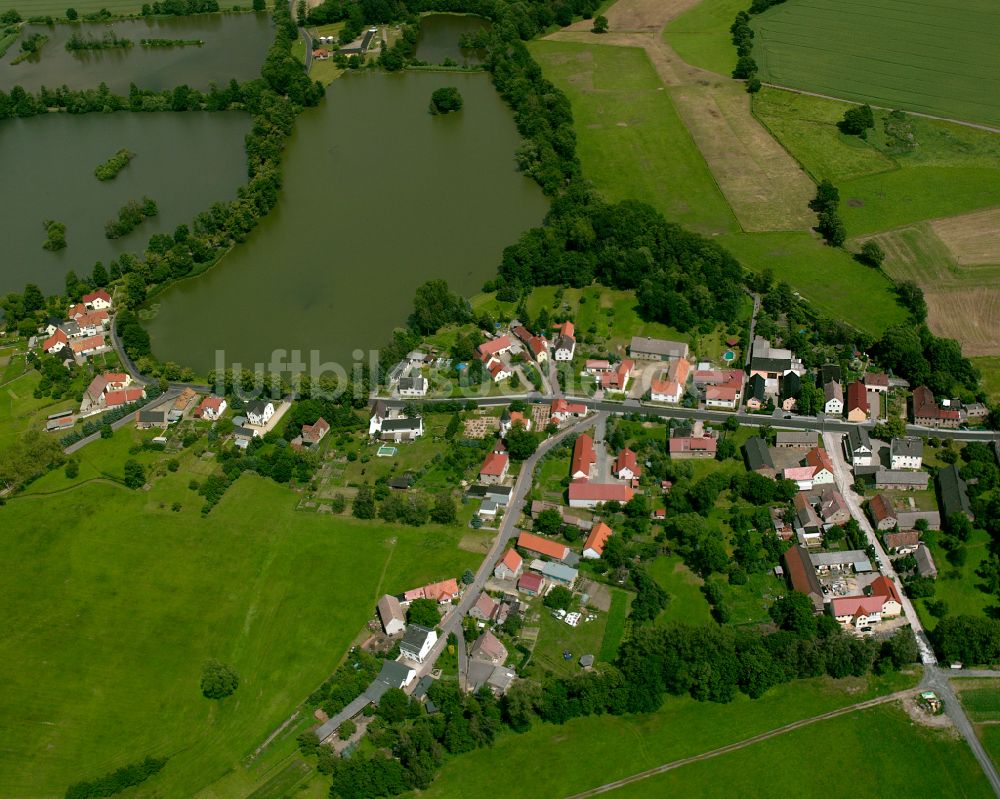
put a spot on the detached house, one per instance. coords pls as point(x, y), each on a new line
point(312, 434)
point(391, 614)
point(211, 408)
point(833, 507)
point(562, 410)
point(858, 446)
point(494, 469)
point(626, 466)
point(877, 381)
point(55, 342)
point(726, 396)
point(834, 399)
point(259, 412)
point(821, 464)
point(565, 343)
point(593, 547)
point(510, 566)
point(584, 458)
point(789, 388)
point(417, 643)
point(99, 300)
point(906, 453)
point(857, 611)
point(858, 409)
point(493, 348)
point(883, 513)
point(756, 392)
point(414, 385)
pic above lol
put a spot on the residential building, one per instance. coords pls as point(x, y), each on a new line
point(884, 587)
point(902, 480)
point(927, 411)
point(536, 545)
point(925, 562)
point(597, 366)
point(770, 362)
point(147, 419)
point(802, 476)
point(726, 396)
point(906, 453)
point(857, 611)
point(487, 647)
point(626, 466)
point(954, 493)
point(904, 543)
point(443, 592)
point(593, 547)
point(584, 494)
point(539, 349)
point(833, 394)
point(808, 525)
point(562, 410)
point(494, 469)
point(491, 349)
point(643, 348)
point(99, 300)
point(211, 408)
point(717, 377)
point(242, 436)
point(391, 614)
point(617, 379)
point(530, 584)
point(400, 429)
point(833, 507)
point(413, 385)
point(802, 575)
point(510, 566)
point(259, 412)
point(564, 345)
point(498, 371)
point(497, 493)
point(858, 446)
point(485, 608)
point(756, 392)
point(758, 457)
point(858, 409)
point(95, 394)
point(88, 345)
point(673, 388)
point(821, 464)
point(584, 458)
point(417, 643)
point(509, 419)
point(830, 373)
point(794, 439)
point(312, 434)
point(125, 396)
point(689, 447)
point(882, 512)
point(789, 387)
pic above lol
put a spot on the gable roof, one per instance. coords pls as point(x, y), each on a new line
point(583, 491)
point(818, 458)
point(597, 538)
point(802, 438)
point(924, 405)
point(659, 347)
point(490, 348)
point(488, 645)
point(512, 560)
point(494, 465)
point(542, 546)
point(583, 454)
point(858, 439)
point(801, 572)
point(100, 294)
point(123, 396)
point(954, 494)
point(833, 390)
point(530, 581)
point(857, 397)
point(906, 538)
point(856, 605)
point(909, 447)
point(415, 637)
point(790, 385)
point(389, 609)
point(627, 460)
point(881, 508)
point(757, 454)
point(877, 379)
point(883, 586)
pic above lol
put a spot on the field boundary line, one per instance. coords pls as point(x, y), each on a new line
point(795, 725)
point(977, 125)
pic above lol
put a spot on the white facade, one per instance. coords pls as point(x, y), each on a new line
point(260, 416)
point(418, 651)
point(834, 407)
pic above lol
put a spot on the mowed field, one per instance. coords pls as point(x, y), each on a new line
point(935, 58)
point(562, 760)
point(112, 601)
point(701, 35)
point(629, 136)
point(963, 299)
point(804, 763)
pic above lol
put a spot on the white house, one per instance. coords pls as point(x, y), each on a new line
point(906, 453)
point(834, 404)
point(417, 643)
point(391, 614)
point(99, 300)
point(858, 446)
point(412, 386)
point(211, 408)
point(498, 371)
point(259, 413)
point(565, 343)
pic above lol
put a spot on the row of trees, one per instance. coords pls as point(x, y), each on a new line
point(118, 780)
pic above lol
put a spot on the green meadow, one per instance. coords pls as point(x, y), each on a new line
point(701, 35)
point(113, 600)
point(934, 58)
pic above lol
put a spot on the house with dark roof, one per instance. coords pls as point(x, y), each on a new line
point(756, 392)
point(953, 493)
point(929, 413)
point(793, 439)
point(789, 387)
point(830, 373)
point(925, 562)
point(858, 446)
point(808, 525)
point(758, 457)
point(417, 643)
point(146, 419)
point(906, 453)
point(900, 479)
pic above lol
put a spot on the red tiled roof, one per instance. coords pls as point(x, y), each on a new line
point(446, 589)
point(76, 311)
point(909, 538)
point(857, 397)
point(855, 605)
point(56, 338)
point(88, 343)
point(100, 294)
point(496, 345)
point(818, 458)
point(881, 508)
point(530, 581)
point(692, 444)
point(211, 403)
point(627, 460)
point(924, 406)
point(599, 364)
point(727, 391)
point(314, 432)
point(511, 560)
point(597, 538)
point(494, 465)
point(123, 396)
point(583, 455)
point(600, 492)
point(879, 379)
point(883, 586)
point(567, 329)
point(542, 546)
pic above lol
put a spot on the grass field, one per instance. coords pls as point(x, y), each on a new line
point(108, 621)
point(938, 59)
point(958, 587)
point(687, 603)
point(701, 35)
point(631, 141)
point(827, 277)
point(921, 762)
point(588, 752)
point(989, 368)
point(980, 698)
point(989, 734)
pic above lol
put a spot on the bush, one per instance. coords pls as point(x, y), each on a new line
point(218, 680)
point(445, 100)
point(600, 24)
point(559, 597)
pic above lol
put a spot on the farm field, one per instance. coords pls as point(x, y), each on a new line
point(701, 35)
point(963, 300)
point(980, 698)
point(630, 138)
point(828, 278)
point(587, 752)
point(107, 625)
point(919, 56)
point(923, 762)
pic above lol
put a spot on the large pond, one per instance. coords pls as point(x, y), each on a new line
point(379, 196)
point(235, 46)
point(184, 161)
point(440, 34)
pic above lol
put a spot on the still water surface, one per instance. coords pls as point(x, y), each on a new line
point(379, 196)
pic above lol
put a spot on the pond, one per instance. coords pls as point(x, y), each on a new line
point(379, 196)
point(439, 36)
point(235, 46)
point(184, 161)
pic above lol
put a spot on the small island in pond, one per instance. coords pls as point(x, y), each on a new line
point(445, 100)
point(109, 169)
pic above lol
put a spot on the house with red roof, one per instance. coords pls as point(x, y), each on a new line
point(626, 466)
point(55, 342)
point(858, 409)
point(76, 311)
point(877, 381)
point(494, 469)
point(99, 300)
point(494, 347)
point(597, 366)
point(884, 587)
point(726, 395)
point(485, 609)
point(211, 408)
point(442, 592)
point(671, 389)
point(510, 566)
point(498, 371)
point(564, 344)
point(530, 583)
point(689, 447)
point(593, 547)
point(87, 346)
point(584, 458)
point(94, 396)
point(617, 379)
point(882, 512)
point(125, 396)
point(312, 434)
point(584, 494)
point(561, 410)
point(536, 545)
point(93, 322)
point(857, 611)
point(818, 459)
point(927, 411)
